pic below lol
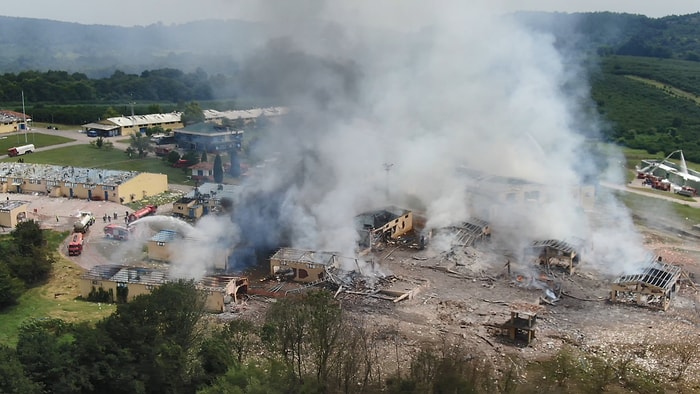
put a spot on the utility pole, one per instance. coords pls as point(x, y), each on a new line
point(387, 168)
point(24, 119)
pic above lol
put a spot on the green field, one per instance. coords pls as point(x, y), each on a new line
point(39, 140)
point(89, 157)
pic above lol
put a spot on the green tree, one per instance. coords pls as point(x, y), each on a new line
point(155, 109)
point(13, 378)
point(110, 113)
point(29, 258)
point(192, 158)
point(218, 169)
point(160, 332)
point(99, 142)
point(10, 287)
point(203, 158)
point(173, 157)
point(192, 113)
point(140, 144)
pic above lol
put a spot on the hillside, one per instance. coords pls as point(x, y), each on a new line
point(99, 50)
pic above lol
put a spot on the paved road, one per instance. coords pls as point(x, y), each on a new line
point(637, 187)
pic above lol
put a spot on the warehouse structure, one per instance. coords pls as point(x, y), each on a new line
point(209, 137)
point(118, 283)
point(245, 115)
point(11, 121)
point(75, 182)
point(127, 125)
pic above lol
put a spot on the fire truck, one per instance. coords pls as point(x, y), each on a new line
point(117, 232)
point(75, 246)
point(143, 212)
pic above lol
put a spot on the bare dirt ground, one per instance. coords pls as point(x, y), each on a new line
point(477, 293)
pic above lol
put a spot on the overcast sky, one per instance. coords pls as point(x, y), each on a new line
point(146, 12)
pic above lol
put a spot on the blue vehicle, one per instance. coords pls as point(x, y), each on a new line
point(92, 133)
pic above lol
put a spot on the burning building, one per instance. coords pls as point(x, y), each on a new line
point(301, 265)
point(654, 286)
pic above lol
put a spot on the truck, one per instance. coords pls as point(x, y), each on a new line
point(75, 246)
point(143, 212)
point(117, 232)
point(20, 150)
point(84, 222)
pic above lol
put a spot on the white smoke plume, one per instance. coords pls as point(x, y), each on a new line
point(389, 100)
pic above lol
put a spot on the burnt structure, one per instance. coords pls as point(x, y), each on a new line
point(653, 287)
point(520, 328)
point(470, 232)
point(552, 252)
point(390, 226)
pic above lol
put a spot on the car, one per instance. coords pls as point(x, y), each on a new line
point(92, 133)
point(180, 164)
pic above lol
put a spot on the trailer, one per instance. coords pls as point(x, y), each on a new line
point(143, 212)
point(20, 150)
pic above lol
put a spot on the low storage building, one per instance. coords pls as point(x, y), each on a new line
point(75, 182)
point(117, 283)
point(13, 212)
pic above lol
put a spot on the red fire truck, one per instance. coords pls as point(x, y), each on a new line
point(75, 246)
point(143, 212)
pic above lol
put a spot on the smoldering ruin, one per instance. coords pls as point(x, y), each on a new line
point(438, 182)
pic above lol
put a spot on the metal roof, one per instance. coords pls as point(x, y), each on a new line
point(207, 129)
point(145, 120)
point(555, 244)
point(164, 236)
point(140, 275)
point(656, 274)
point(214, 191)
point(102, 272)
point(71, 174)
point(245, 113)
point(304, 256)
point(12, 204)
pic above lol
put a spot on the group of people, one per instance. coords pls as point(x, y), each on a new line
point(107, 218)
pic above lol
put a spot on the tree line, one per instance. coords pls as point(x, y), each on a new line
point(162, 343)
point(62, 87)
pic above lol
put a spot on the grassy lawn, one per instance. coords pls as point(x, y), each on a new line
point(89, 157)
point(639, 203)
point(57, 299)
point(39, 140)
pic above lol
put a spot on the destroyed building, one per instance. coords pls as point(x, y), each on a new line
point(118, 283)
point(555, 253)
point(301, 265)
point(204, 199)
point(384, 225)
point(654, 286)
point(467, 233)
point(75, 182)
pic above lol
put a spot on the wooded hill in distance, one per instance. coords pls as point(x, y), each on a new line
point(644, 72)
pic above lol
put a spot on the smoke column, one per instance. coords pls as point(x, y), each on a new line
point(428, 89)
